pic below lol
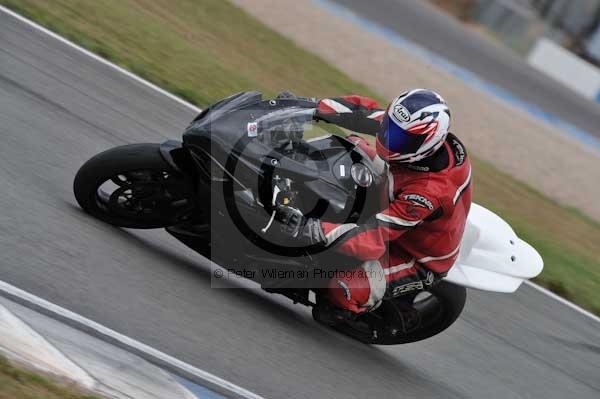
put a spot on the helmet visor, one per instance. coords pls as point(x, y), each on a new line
point(397, 140)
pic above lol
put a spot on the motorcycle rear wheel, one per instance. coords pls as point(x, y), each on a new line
point(132, 186)
point(432, 315)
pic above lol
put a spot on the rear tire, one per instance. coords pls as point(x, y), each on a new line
point(150, 175)
point(437, 313)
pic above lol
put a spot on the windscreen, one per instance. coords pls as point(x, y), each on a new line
point(283, 128)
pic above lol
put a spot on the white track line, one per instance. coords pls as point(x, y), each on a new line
point(152, 355)
point(563, 301)
point(193, 107)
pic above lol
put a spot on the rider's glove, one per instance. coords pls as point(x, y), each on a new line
point(297, 226)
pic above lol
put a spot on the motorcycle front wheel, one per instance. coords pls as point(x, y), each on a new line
point(132, 186)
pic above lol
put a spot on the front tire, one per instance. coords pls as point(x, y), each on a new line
point(133, 186)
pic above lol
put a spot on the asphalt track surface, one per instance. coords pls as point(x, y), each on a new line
point(58, 107)
point(422, 23)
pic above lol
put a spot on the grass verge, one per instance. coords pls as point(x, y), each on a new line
point(18, 383)
point(203, 51)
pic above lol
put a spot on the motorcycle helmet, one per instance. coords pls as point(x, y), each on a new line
point(414, 126)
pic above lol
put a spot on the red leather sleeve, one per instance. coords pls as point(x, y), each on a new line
point(361, 101)
point(356, 113)
point(370, 241)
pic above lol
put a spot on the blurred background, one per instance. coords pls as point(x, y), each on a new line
point(558, 37)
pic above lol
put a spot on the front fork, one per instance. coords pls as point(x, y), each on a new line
point(180, 159)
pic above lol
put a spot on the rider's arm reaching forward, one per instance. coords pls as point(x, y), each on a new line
point(369, 241)
point(356, 113)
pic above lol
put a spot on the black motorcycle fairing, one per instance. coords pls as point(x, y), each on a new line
point(233, 161)
point(221, 135)
point(231, 103)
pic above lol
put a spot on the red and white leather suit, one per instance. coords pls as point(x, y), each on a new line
point(415, 239)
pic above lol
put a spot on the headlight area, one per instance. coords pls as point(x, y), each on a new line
point(361, 174)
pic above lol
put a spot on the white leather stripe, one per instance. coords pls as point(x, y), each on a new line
point(396, 220)
point(462, 187)
point(337, 232)
point(431, 258)
point(390, 185)
point(376, 114)
point(378, 165)
point(377, 282)
point(337, 107)
point(400, 267)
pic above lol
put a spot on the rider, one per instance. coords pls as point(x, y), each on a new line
point(415, 239)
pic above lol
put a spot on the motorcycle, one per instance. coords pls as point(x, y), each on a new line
point(217, 191)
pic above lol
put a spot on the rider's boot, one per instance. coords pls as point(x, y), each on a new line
point(329, 315)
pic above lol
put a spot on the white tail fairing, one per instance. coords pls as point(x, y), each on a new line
point(492, 257)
